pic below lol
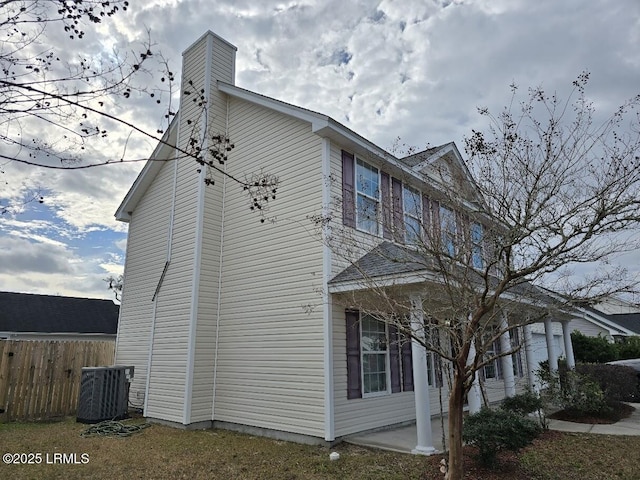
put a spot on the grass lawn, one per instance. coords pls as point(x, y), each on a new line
point(162, 452)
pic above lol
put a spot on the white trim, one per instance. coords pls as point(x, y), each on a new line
point(424, 434)
point(420, 212)
point(378, 200)
point(147, 175)
point(197, 249)
point(327, 318)
point(610, 325)
point(387, 359)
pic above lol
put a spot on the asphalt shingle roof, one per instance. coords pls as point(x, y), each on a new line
point(25, 312)
point(630, 321)
point(385, 259)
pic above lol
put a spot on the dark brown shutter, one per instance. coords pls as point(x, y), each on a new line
point(394, 359)
point(348, 190)
point(398, 218)
point(354, 382)
point(427, 227)
point(386, 205)
point(407, 364)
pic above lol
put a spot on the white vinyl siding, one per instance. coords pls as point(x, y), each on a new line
point(359, 414)
point(207, 291)
point(588, 328)
point(146, 254)
point(270, 370)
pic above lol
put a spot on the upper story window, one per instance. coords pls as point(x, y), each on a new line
point(368, 197)
point(477, 240)
point(412, 207)
point(448, 230)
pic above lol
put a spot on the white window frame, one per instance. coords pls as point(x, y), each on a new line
point(408, 216)
point(376, 198)
point(492, 352)
point(447, 235)
point(375, 352)
point(516, 357)
point(477, 246)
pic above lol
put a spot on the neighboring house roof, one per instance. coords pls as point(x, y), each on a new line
point(25, 312)
point(630, 321)
point(617, 324)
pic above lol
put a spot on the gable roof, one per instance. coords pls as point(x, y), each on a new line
point(26, 312)
point(321, 124)
point(630, 321)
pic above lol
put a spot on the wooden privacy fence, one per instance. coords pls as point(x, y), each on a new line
point(41, 379)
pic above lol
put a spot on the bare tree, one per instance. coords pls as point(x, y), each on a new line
point(545, 190)
point(64, 106)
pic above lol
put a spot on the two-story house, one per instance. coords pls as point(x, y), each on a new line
point(234, 323)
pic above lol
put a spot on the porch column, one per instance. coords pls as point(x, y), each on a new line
point(420, 385)
point(568, 346)
point(474, 397)
point(551, 348)
point(528, 349)
point(507, 360)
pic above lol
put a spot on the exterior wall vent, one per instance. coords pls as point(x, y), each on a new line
point(104, 393)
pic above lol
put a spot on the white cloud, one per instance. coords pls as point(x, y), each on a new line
point(413, 68)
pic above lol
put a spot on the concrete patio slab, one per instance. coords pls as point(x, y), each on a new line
point(403, 439)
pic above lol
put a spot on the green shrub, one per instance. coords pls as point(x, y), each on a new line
point(618, 382)
point(629, 347)
point(593, 349)
point(573, 392)
point(492, 431)
point(523, 403)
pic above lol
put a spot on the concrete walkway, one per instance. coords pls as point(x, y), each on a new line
point(403, 439)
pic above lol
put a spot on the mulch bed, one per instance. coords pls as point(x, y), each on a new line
point(619, 411)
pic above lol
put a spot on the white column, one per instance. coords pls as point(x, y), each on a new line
point(474, 397)
point(507, 360)
point(568, 346)
point(531, 367)
point(551, 346)
point(420, 385)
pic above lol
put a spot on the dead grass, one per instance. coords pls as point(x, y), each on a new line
point(167, 453)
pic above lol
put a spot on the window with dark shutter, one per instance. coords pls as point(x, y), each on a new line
point(407, 364)
point(385, 190)
point(348, 190)
point(354, 379)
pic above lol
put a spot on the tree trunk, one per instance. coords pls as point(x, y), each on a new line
point(456, 405)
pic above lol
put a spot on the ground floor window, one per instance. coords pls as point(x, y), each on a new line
point(375, 355)
point(379, 358)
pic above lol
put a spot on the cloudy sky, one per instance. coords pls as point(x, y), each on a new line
point(414, 69)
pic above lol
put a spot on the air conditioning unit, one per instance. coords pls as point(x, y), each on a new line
point(104, 393)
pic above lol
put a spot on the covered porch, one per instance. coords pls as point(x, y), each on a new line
point(413, 290)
